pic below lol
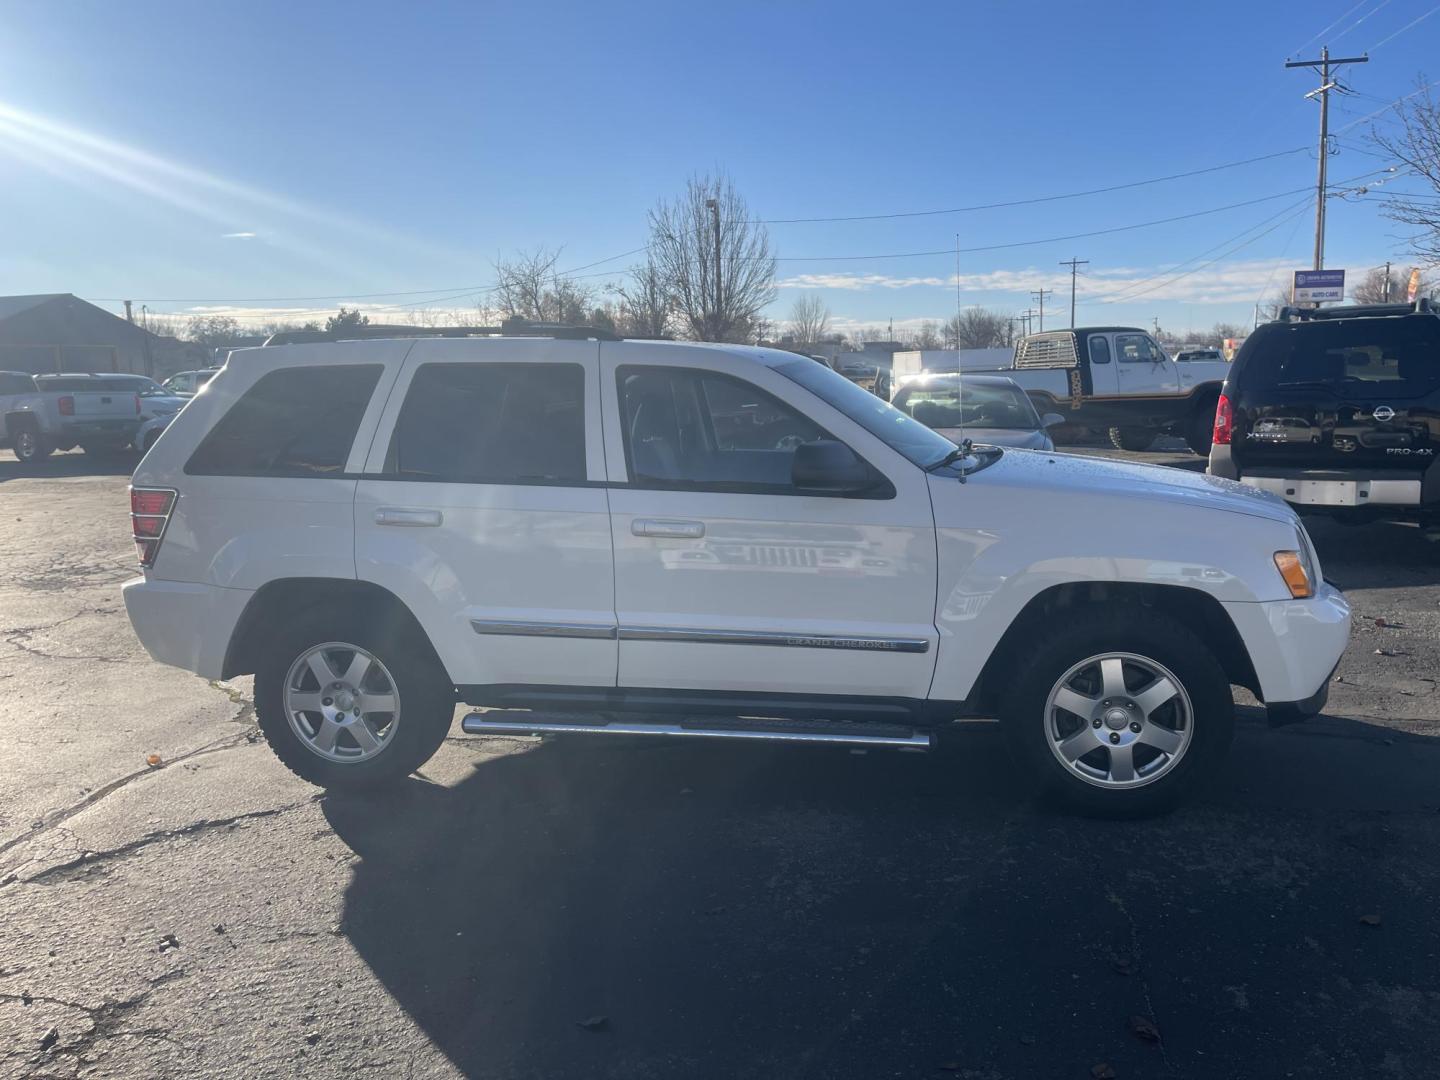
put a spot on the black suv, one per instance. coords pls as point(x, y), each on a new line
point(1337, 410)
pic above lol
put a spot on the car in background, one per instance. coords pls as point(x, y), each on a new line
point(1337, 411)
point(989, 409)
point(1199, 355)
point(187, 383)
point(149, 431)
point(155, 400)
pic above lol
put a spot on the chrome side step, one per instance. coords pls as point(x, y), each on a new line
point(520, 723)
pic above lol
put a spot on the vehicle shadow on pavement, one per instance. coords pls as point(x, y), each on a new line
point(76, 463)
point(672, 909)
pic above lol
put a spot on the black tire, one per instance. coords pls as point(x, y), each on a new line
point(28, 444)
point(1200, 428)
point(151, 438)
point(1143, 633)
point(1132, 438)
point(426, 696)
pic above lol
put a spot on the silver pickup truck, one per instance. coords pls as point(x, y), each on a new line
point(40, 413)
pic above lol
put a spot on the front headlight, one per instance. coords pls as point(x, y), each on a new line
point(1297, 567)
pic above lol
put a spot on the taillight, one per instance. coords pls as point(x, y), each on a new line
point(149, 514)
point(67, 406)
point(137, 404)
point(1224, 421)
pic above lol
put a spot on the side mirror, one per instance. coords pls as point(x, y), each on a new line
point(1051, 419)
point(829, 467)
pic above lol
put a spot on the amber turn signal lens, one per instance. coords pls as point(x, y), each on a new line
point(1292, 569)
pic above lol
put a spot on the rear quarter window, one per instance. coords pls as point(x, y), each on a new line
point(1364, 359)
point(293, 422)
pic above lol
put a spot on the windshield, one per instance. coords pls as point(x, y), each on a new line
point(952, 404)
point(895, 429)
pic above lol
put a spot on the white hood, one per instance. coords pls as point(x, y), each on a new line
point(1073, 473)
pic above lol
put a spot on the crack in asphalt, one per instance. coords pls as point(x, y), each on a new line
point(69, 869)
point(105, 1020)
point(59, 817)
point(1115, 898)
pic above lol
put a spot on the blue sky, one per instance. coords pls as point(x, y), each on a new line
point(383, 148)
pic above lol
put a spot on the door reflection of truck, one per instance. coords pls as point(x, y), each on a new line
point(1107, 377)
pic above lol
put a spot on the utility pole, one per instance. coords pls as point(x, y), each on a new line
point(1155, 321)
point(714, 205)
point(1028, 314)
point(130, 315)
point(1323, 67)
point(1073, 264)
point(1040, 295)
point(1387, 281)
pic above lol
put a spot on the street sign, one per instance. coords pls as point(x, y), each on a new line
point(1318, 286)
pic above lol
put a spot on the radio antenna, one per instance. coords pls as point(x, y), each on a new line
point(959, 373)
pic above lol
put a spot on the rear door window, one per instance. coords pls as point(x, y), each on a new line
point(1099, 349)
point(492, 423)
point(1364, 359)
point(293, 422)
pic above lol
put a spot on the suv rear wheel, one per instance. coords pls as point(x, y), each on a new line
point(1120, 713)
point(346, 705)
point(1200, 428)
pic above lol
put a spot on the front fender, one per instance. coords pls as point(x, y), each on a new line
point(992, 568)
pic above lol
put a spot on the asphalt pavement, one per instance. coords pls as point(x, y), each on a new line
point(173, 903)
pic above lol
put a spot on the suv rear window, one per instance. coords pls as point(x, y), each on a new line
point(484, 423)
point(1365, 359)
point(292, 422)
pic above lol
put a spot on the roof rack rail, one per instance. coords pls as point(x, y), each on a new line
point(509, 328)
point(1423, 306)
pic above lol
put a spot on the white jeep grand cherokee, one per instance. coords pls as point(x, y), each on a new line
point(581, 533)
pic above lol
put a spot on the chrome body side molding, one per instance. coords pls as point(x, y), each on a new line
point(780, 638)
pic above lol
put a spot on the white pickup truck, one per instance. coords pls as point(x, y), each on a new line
point(41, 413)
point(1108, 377)
point(593, 536)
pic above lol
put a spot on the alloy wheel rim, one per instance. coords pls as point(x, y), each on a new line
point(1119, 720)
point(25, 444)
point(342, 703)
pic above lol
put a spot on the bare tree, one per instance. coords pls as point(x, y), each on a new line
point(1417, 147)
point(214, 330)
point(527, 286)
point(646, 306)
point(809, 320)
point(720, 283)
point(927, 336)
point(976, 328)
point(1277, 303)
point(1378, 287)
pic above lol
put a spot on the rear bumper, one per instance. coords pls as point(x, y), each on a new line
point(1295, 646)
point(184, 624)
point(82, 430)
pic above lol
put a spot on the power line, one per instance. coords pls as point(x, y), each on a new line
point(1402, 30)
point(1030, 202)
point(1332, 26)
point(1070, 236)
point(1357, 22)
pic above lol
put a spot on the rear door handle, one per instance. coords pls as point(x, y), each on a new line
point(407, 517)
point(678, 530)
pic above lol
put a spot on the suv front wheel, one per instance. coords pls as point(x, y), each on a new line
point(1120, 713)
point(344, 706)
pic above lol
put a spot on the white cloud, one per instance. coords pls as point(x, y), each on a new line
point(1222, 283)
point(237, 236)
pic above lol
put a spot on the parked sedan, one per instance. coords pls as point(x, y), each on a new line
point(990, 409)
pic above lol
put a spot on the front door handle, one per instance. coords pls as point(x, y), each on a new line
point(408, 518)
point(677, 530)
